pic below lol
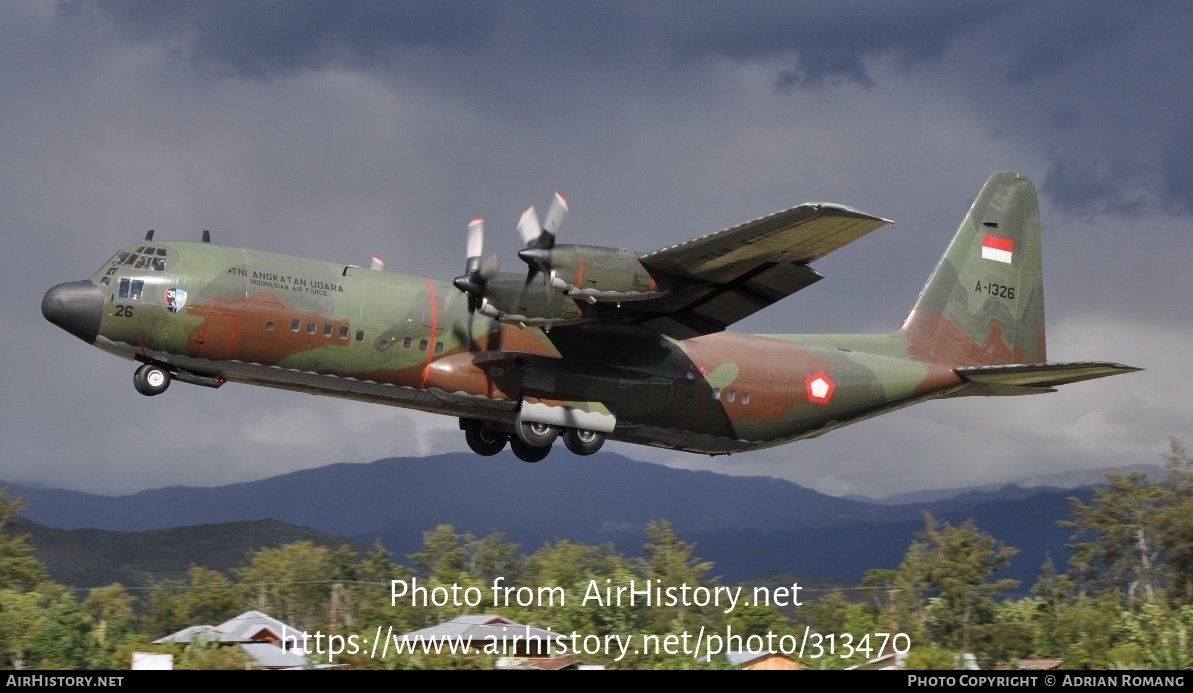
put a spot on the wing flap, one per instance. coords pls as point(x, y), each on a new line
point(706, 309)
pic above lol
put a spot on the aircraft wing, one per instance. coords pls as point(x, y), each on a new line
point(717, 279)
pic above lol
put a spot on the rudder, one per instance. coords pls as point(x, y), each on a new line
point(984, 302)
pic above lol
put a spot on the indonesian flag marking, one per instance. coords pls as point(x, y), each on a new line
point(997, 249)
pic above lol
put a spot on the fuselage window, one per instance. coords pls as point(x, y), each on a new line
point(105, 280)
point(143, 262)
point(159, 261)
point(269, 325)
point(311, 327)
point(408, 342)
point(130, 259)
point(326, 330)
point(344, 332)
point(294, 325)
point(360, 335)
point(120, 257)
point(438, 347)
point(423, 344)
point(729, 395)
point(745, 398)
point(124, 288)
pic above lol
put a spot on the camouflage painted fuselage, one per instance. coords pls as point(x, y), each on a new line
point(280, 321)
point(213, 313)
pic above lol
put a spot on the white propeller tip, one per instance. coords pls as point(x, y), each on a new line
point(377, 263)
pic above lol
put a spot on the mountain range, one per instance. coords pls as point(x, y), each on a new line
point(745, 525)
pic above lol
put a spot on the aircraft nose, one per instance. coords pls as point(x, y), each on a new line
point(76, 307)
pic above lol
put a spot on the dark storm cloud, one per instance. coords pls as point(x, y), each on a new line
point(267, 38)
point(1014, 60)
point(828, 42)
point(341, 130)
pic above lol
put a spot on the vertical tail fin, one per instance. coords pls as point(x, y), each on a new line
point(984, 303)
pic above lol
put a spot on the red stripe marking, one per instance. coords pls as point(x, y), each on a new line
point(580, 275)
point(998, 243)
point(141, 343)
point(422, 385)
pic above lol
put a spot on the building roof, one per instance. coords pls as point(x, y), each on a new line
point(249, 627)
point(267, 656)
point(482, 627)
point(743, 657)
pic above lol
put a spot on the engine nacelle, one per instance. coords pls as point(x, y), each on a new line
point(594, 273)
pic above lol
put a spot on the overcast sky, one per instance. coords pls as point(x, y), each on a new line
point(339, 130)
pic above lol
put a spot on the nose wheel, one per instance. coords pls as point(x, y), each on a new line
point(151, 379)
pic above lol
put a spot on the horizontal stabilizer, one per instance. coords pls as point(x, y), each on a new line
point(1026, 379)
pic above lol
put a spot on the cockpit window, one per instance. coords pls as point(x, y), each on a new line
point(131, 289)
point(149, 258)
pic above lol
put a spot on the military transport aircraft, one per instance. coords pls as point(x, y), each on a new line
point(592, 342)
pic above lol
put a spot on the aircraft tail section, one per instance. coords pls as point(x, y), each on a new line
point(984, 303)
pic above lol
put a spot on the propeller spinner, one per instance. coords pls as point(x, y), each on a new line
point(476, 273)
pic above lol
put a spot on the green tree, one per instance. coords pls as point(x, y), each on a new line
point(207, 597)
point(206, 655)
point(1123, 521)
point(1085, 629)
point(442, 555)
point(1176, 518)
point(955, 566)
point(1161, 639)
point(113, 621)
point(63, 637)
point(671, 563)
point(19, 568)
point(493, 556)
point(291, 583)
point(20, 625)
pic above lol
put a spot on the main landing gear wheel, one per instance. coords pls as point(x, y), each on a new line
point(537, 435)
point(483, 441)
point(583, 442)
point(151, 380)
point(527, 453)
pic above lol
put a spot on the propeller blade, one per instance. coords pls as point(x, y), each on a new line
point(489, 268)
point(528, 226)
point(555, 216)
point(476, 238)
point(377, 263)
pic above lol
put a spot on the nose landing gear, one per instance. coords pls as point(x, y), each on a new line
point(151, 379)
